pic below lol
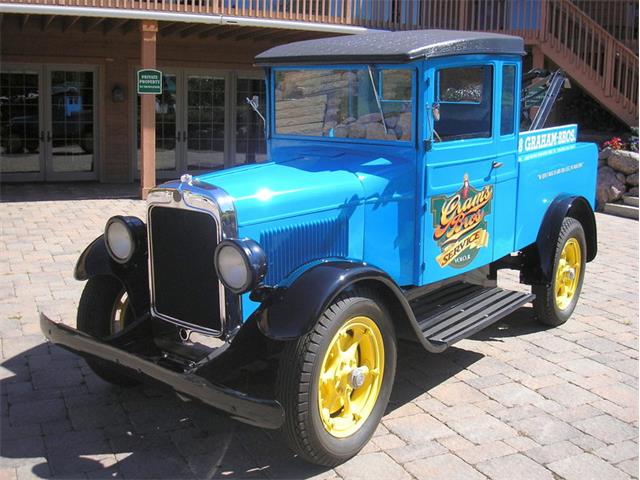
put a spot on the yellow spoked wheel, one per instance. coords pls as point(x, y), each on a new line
point(351, 376)
point(567, 273)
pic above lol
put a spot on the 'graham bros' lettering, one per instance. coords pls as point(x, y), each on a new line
point(460, 227)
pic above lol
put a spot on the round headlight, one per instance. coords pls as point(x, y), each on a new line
point(240, 264)
point(120, 237)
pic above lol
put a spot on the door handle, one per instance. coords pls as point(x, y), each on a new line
point(48, 136)
point(496, 164)
point(178, 137)
point(184, 136)
point(42, 136)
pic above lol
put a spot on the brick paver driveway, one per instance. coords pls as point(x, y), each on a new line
point(515, 402)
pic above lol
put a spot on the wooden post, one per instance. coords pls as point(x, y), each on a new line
point(462, 14)
point(148, 33)
point(538, 56)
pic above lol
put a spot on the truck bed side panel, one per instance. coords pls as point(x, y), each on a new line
point(545, 174)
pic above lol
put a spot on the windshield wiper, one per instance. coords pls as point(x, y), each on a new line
point(375, 92)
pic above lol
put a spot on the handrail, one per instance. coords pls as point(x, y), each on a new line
point(599, 56)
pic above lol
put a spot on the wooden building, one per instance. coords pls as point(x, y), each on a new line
point(70, 110)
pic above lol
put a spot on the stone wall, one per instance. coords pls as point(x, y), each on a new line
point(617, 175)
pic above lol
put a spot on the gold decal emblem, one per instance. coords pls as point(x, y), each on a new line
point(460, 226)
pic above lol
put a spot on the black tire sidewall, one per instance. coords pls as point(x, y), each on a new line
point(545, 302)
point(94, 318)
point(345, 448)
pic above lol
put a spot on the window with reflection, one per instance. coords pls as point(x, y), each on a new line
point(359, 103)
point(464, 96)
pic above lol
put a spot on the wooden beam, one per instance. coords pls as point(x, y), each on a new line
point(166, 25)
point(113, 25)
point(46, 21)
point(70, 22)
point(175, 28)
point(129, 26)
point(194, 30)
point(294, 37)
point(269, 32)
point(248, 33)
point(229, 33)
point(92, 23)
point(212, 30)
point(23, 23)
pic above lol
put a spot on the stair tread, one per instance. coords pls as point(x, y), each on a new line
point(448, 317)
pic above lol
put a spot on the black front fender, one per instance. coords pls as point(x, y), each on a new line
point(293, 309)
point(561, 207)
point(134, 275)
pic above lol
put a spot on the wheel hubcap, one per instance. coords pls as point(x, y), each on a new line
point(119, 312)
point(351, 376)
point(567, 273)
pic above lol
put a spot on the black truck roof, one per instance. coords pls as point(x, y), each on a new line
point(391, 47)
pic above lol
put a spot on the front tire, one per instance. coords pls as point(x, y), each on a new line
point(555, 302)
point(104, 310)
point(334, 382)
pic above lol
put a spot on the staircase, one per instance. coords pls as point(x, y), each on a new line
point(591, 56)
point(570, 37)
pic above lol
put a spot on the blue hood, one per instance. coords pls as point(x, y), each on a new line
point(267, 192)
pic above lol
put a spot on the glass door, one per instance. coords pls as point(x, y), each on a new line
point(168, 127)
point(250, 143)
point(71, 120)
point(21, 131)
point(204, 139)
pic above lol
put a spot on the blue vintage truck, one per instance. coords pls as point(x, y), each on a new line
point(398, 185)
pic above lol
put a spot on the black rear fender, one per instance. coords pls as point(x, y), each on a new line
point(541, 255)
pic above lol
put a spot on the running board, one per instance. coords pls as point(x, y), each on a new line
point(457, 311)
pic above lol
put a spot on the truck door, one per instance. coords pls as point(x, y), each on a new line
point(459, 220)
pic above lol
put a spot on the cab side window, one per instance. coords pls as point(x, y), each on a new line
point(508, 104)
point(465, 99)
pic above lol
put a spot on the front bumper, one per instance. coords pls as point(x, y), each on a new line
point(254, 411)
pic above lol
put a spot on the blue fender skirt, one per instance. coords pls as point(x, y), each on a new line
point(254, 411)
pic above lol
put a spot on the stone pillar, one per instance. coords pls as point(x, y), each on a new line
point(148, 31)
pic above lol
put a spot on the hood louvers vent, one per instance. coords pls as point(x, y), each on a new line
point(289, 247)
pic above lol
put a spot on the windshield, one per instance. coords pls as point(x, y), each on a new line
point(345, 103)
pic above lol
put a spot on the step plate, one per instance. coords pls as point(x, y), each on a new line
point(458, 311)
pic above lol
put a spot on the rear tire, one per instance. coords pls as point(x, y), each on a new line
point(317, 371)
point(96, 312)
point(555, 302)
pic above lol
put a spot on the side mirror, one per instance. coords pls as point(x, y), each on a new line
point(435, 109)
point(254, 103)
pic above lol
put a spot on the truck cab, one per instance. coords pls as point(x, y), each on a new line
point(398, 184)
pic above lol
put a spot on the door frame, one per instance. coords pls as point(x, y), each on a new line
point(40, 174)
point(249, 74)
point(45, 120)
point(475, 159)
point(94, 174)
point(230, 77)
point(229, 89)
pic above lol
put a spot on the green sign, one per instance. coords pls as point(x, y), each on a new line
point(149, 82)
